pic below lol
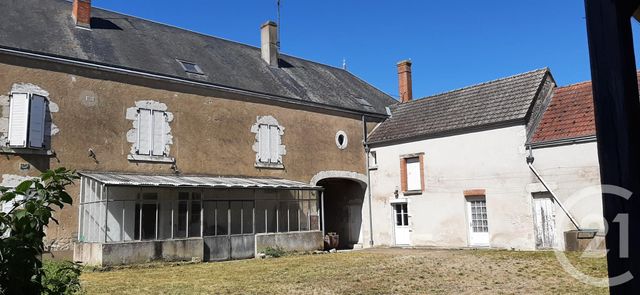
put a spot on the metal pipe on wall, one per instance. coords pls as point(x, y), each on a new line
point(366, 152)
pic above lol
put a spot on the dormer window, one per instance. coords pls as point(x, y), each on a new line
point(191, 67)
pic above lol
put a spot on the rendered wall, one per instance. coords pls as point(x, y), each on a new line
point(211, 130)
point(573, 173)
point(298, 241)
point(493, 160)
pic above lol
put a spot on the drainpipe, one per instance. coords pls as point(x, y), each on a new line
point(367, 151)
point(530, 160)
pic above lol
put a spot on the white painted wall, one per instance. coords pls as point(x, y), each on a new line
point(573, 173)
point(494, 160)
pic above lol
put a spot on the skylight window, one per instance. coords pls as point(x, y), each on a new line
point(191, 67)
point(363, 102)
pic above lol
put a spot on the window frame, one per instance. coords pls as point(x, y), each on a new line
point(404, 174)
point(197, 69)
point(27, 145)
point(267, 127)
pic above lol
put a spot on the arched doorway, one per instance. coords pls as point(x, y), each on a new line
point(343, 199)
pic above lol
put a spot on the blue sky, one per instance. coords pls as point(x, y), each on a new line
point(452, 43)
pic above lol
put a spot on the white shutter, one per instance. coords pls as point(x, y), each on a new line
point(413, 174)
point(158, 133)
point(144, 131)
point(18, 120)
point(274, 144)
point(263, 139)
point(37, 111)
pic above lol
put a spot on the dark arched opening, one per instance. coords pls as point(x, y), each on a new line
point(343, 200)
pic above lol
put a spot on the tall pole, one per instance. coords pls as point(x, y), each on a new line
point(617, 117)
point(279, 25)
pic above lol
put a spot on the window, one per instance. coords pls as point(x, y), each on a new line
point(341, 140)
point(268, 147)
point(412, 173)
point(402, 215)
point(151, 132)
point(373, 160)
point(191, 67)
point(478, 209)
point(27, 120)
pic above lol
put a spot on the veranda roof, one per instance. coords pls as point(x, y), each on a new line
point(125, 179)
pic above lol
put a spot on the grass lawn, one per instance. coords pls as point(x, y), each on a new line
point(375, 271)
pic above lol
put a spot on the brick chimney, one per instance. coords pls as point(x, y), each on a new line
point(404, 80)
point(81, 13)
point(269, 43)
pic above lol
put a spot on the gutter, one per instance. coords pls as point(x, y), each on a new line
point(178, 80)
point(530, 160)
point(564, 141)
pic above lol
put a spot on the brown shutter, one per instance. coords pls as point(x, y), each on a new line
point(403, 174)
point(422, 172)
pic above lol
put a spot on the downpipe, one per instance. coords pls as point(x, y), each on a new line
point(367, 151)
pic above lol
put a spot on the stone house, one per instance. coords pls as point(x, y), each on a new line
point(189, 146)
point(455, 169)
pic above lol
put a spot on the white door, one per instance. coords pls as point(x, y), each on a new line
point(401, 223)
point(478, 225)
point(544, 217)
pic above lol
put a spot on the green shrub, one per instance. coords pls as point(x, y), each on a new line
point(274, 252)
point(60, 277)
point(22, 232)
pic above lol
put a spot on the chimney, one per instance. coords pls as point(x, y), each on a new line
point(82, 13)
point(269, 43)
point(404, 80)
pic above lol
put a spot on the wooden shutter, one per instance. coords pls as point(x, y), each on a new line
point(403, 174)
point(263, 140)
point(422, 185)
point(144, 131)
point(18, 120)
point(37, 110)
point(413, 174)
point(274, 143)
point(158, 133)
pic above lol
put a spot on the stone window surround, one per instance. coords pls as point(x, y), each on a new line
point(268, 120)
point(345, 140)
point(52, 107)
point(132, 115)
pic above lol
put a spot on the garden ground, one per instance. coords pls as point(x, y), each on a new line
point(374, 271)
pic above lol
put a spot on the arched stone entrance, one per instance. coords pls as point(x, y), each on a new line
point(344, 194)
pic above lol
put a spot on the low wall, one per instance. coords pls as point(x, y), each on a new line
point(87, 253)
point(138, 252)
point(574, 241)
point(292, 241)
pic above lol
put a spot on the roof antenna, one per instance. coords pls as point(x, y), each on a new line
point(344, 63)
point(278, 16)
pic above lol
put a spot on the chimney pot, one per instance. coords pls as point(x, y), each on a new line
point(81, 13)
point(404, 80)
point(269, 43)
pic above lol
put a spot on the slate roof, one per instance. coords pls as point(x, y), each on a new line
point(499, 101)
point(569, 115)
point(46, 27)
